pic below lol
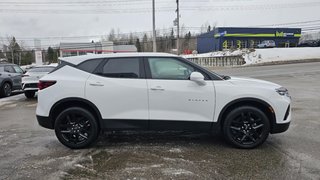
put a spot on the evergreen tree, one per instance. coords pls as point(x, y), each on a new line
point(138, 45)
point(209, 28)
point(50, 55)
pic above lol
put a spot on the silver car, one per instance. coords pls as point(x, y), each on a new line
point(267, 44)
point(31, 78)
point(10, 78)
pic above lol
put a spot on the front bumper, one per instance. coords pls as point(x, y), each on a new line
point(45, 122)
point(279, 128)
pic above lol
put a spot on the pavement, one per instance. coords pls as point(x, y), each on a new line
point(31, 152)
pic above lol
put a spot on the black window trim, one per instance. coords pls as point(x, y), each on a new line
point(99, 70)
point(207, 74)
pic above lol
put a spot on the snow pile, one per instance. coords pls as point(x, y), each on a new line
point(219, 53)
point(256, 56)
point(281, 54)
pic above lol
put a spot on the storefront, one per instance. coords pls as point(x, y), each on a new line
point(238, 38)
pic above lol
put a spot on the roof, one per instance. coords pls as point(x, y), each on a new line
point(78, 59)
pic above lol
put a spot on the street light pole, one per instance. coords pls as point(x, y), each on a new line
point(178, 28)
point(154, 44)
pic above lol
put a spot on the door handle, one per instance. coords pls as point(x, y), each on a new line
point(96, 84)
point(157, 89)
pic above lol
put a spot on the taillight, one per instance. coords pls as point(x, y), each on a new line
point(45, 84)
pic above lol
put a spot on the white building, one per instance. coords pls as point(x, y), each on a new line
point(76, 49)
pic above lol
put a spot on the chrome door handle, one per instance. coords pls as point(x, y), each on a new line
point(95, 84)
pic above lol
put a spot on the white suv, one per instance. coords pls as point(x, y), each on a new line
point(156, 91)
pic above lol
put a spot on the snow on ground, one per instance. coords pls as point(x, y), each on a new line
point(281, 54)
point(256, 56)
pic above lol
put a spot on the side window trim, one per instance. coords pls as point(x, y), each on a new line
point(149, 74)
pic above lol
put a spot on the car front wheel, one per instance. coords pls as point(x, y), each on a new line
point(76, 128)
point(246, 127)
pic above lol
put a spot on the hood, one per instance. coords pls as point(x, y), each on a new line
point(244, 81)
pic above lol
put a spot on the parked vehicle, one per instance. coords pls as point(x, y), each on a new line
point(309, 43)
point(267, 44)
point(31, 78)
point(156, 91)
point(10, 78)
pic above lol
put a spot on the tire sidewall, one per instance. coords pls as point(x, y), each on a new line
point(29, 94)
point(3, 93)
point(232, 114)
point(94, 125)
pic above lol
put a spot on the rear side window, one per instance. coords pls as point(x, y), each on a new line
point(9, 69)
point(89, 65)
point(122, 68)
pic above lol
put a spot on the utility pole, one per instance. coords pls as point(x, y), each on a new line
point(178, 28)
point(12, 58)
point(154, 27)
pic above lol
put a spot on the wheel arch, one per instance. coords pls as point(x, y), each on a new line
point(6, 80)
point(74, 102)
point(260, 104)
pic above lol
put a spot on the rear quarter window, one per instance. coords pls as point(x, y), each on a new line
point(89, 65)
point(61, 64)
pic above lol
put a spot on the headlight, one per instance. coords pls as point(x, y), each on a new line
point(283, 91)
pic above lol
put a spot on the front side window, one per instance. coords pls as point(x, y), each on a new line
point(122, 68)
point(18, 70)
point(169, 68)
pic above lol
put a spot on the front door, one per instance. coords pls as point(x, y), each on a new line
point(174, 98)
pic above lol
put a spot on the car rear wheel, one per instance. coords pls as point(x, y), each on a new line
point(246, 127)
point(6, 90)
point(29, 94)
point(76, 128)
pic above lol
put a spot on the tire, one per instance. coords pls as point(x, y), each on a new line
point(76, 128)
point(29, 94)
point(246, 127)
point(6, 90)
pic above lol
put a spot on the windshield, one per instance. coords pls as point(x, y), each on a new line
point(42, 69)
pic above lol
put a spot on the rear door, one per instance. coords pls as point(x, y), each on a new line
point(119, 89)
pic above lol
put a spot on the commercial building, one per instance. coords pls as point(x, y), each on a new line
point(76, 49)
point(237, 38)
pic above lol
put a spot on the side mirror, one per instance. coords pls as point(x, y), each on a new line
point(198, 78)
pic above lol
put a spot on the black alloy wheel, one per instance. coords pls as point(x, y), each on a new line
point(246, 127)
point(6, 90)
point(76, 128)
point(29, 94)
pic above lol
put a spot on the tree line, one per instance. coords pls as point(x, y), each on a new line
point(166, 41)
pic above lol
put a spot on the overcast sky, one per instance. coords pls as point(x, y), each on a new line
point(28, 19)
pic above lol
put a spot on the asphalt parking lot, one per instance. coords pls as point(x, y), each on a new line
point(31, 152)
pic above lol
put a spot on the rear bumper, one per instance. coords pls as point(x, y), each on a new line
point(45, 122)
point(30, 86)
point(279, 128)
